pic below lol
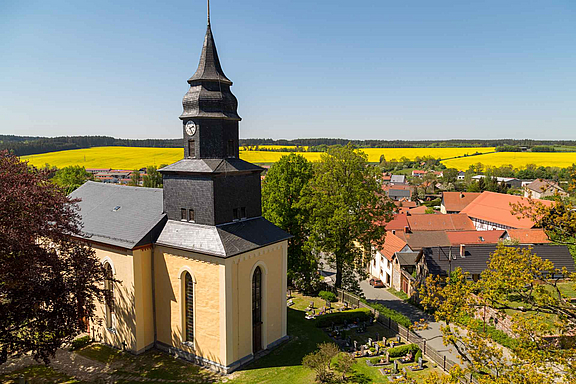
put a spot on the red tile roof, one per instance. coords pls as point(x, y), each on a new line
point(418, 210)
point(405, 204)
point(457, 201)
point(528, 236)
point(495, 208)
point(455, 222)
point(392, 244)
point(474, 237)
point(398, 222)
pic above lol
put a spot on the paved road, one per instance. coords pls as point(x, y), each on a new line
point(433, 334)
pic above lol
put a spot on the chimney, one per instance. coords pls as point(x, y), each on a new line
point(461, 195)
point(406, 229)
point(462, 250)
point(393, 231)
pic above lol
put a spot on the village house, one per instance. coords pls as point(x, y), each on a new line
point(510, 182)
point(492, 210)
point(540, 188)
point(455, 202)
point(193, 268)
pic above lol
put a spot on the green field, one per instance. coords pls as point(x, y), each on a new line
point(137, 157)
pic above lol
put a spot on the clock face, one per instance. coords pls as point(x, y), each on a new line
point(190, 128)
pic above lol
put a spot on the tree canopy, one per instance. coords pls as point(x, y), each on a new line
point(70, 178)
point(48, 280)
point(281, 194)
point(347, 210)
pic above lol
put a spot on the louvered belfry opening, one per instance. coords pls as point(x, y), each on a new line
point(257, 310)
point(189, 307)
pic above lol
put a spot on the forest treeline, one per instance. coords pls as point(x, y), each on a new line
point(31, 145)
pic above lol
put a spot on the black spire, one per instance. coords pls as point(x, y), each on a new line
point(209, 68)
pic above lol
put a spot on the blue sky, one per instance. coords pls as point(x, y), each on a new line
point(360, 70)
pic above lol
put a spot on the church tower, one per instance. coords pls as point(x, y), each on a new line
point(211, 185)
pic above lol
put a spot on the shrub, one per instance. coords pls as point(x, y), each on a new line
point(418, 355)
point(80, 342)
point(403, 350)
point(394, 315)
point(319, 361)
point(327, 296)
point(363, 314)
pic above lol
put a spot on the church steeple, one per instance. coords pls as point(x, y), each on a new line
point(210, 118)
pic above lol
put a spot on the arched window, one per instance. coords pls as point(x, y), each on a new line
point(257, 310)
point(188, 308)
point(109, 294)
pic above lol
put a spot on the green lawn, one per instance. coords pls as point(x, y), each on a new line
point(37, 374)
point(398, 294)
point(281, 365)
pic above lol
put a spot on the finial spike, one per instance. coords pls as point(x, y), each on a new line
point(208, 12)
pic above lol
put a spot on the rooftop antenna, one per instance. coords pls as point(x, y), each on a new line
point(208, 12)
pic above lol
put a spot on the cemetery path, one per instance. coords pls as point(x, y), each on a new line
point(433, 334)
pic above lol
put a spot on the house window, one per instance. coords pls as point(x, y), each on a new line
point(188, 308)
point(183, 214)
point(191, 216)
point(191, 149)
point(109, 294)
point(235, 213)
point(243, 212)
point(231, 151)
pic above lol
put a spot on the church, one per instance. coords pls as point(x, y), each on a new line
point(192, 268)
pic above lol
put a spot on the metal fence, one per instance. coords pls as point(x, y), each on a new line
point(441, 360)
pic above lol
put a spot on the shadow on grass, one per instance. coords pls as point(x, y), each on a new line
point(304, 336)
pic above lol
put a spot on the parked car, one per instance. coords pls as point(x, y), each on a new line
point(376, 283)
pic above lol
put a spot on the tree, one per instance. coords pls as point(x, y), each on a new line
point(516, 280)
point(449, 175)
point(135, 178)
point(48, 280)
point(281, 194)
point(345, 363)
point(320, 360)
point(347, 209)
point(70, 178)
point(153, 178)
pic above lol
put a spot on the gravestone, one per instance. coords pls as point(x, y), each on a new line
point(398, 339)
point(387, 357)
point(377, 348)
point(355, 345)
point(311, 304)
point(369, 341)
point(362, 350)
point(395, 366)
point(420, 363)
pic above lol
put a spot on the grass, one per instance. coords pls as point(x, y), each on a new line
point(281, 365)
point(398, 294)
point(151, 365)
point(37, 374)
point(139, 157)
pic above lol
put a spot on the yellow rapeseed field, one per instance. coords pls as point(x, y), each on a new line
point(517, 159)
point(135, 157)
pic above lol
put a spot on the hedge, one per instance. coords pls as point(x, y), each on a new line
point(80, 342)
point(394, 315)
point(327, 296)
point(403, 350)
point(363, 314)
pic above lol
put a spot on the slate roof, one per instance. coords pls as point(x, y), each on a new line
point(211, 166)
point(495, 208)
point(407, 258)
point(118, 215)
point(395, 193)
point(476, 257)
point(457, 201)
point(420, 239)
point(453, 222)
point(222, 240)
point(542, 186)
point(528, 236)
point(209, 68)
point(474, 237)
point(400, 179)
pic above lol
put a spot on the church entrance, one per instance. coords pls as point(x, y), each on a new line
point(257, 311)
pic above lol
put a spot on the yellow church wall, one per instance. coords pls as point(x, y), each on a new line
point(123, 332)
point(272, 259)
point(169, 264)
point(142, 259)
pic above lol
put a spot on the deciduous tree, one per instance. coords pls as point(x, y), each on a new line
point(281, 194)
point(48, 281)
point(347, 209)
point(72, 177)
